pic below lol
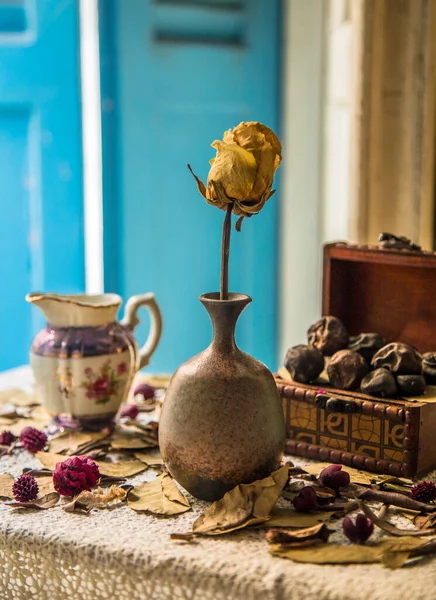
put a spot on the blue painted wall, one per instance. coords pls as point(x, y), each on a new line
point(175, 75)
point(41, 204)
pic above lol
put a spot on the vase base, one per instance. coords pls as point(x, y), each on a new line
point(89, 423)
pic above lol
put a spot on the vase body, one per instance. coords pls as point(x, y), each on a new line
point(84, 360)
point(222, 421)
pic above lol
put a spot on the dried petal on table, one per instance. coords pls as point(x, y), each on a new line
point(6, 483)
point(126, 468)
point(100, 498)
point(336, 554)
point(68, 442)
point(150, 458)
point(246, 504)
point(47, 501)
point(309, 536)
point(288, 517)
point(160, 497)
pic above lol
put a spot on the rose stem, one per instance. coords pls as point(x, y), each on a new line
point(225, 250)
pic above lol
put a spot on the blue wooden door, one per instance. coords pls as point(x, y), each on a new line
point(176, 74)
point(41, 223)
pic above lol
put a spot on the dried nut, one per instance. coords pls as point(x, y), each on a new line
point(411, 385)
point(346, 370)
point(304, 363)
point(328, 335)
point(400, 359)
point(429, 367)
point(380, 383)
point(366, 344)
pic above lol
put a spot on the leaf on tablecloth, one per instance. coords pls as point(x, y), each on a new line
point(6, 483)
point(45, 485)
point(300, 538)
point(160, 496)
point(356, 476)
point(151, 459)
point(18, 397)
point(385, 551)
point(68, 441)
point(50, 459)
point(424, 521)
point(130, 440)
point(126, 468)
point(20, 424)
point(246, 504)
point(43, 503)
point(288, 517)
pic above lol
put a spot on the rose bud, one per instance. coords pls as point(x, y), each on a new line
point(359, 531)
point(243, 170)
point(306, 500)
point(74, 475)
point(334, 477)
point(130, 411)
point(145, 390)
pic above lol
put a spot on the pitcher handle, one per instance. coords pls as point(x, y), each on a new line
point(131, 320)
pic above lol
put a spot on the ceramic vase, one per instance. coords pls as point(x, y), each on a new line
point(222, 422)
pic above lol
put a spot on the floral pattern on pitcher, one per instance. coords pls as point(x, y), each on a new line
point(104, 383)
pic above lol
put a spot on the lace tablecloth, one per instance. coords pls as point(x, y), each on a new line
point(119, 554)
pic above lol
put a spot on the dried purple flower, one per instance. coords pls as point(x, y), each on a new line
point(130, 411)
point(424, 491)
point(306, 500)
point(25, 488)
point(32, 439)
point(359, 531)
point(74, 475)
point(145, 390)
point(334, 477)
point(7, 438)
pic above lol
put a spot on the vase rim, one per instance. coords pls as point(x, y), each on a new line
point(214, 297)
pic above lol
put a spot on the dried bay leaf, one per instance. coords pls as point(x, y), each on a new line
point(68, 441)
point(356, 476)
point(18, 397)
point(47, 501)
point(336, 554)
point(246, 504)
point(45, 485)
point(126, 468)
point(6, 483)
point(309, 536)
point(19, 425)
point(389, 527)
point(288, 517)
point(129, 441)
point(50, 459)
point(150, 458)
point(160, 497)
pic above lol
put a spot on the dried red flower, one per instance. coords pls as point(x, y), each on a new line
point(25, 488)
point(7, 438)
point(32, 439)
point(306, 500)
point(74, 475)
point(334, 477)
point(359, 531)
point(145, 390)
point(130, 411)
point(424, 491)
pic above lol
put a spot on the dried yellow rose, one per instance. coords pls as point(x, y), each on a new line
point(242, 172)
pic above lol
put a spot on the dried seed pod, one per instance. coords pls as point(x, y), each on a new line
point(304, 363)
point(400, 359)
point(429, 367)
point(411, 385)
point(366, 344)
point(346, 370)
point(380, 383)
point(328, 335)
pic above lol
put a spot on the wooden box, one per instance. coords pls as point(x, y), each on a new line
point(393, 293)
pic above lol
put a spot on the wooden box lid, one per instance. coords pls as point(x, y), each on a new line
point(390, 292)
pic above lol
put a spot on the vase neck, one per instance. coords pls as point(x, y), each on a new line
point(224, 315)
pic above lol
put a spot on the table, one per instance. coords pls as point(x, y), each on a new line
point(119, 554)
